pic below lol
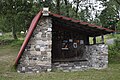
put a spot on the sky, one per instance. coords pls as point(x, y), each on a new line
point(96, 5)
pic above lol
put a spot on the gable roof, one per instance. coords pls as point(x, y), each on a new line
point(30, 31)
point(38, 16)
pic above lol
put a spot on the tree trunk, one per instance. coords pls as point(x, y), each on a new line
point(77, 7)
point(67, 8)
point(118, 1)
point(14, 33)
point(58, 7)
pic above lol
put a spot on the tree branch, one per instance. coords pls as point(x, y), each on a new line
point(58, 6)
point(77, 6)
point(67, 10)
point(117, 2)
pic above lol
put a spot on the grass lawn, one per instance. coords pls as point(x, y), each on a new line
point(7, 72)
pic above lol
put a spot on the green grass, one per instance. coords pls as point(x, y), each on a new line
point(6, 36)
point(7, 72)
point(9, 36)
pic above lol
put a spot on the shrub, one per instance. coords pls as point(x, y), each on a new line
point(114, 51)
point(17, 43)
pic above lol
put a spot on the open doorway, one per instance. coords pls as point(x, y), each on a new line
point(67, 45)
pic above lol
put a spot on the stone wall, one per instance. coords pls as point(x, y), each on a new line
point(96, 57)
point(37, 54)
point(99, 56)
point(71, 66)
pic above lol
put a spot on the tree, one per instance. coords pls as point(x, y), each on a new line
point(118, 1)
point(58, 6)
point(67, 7)
point(110, 14)
point(77, 2)
point(16, 14)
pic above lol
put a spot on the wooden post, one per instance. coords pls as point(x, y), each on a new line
point(94, 40)
point(102, 38)
point(87, 40)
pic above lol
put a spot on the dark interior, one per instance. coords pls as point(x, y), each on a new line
point(68, 44)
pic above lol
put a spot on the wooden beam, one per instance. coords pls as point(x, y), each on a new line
point(98, 30)
point(72, 27)
point(94, 40)
point(87, 40)
point(102, 38)
point(92, 31)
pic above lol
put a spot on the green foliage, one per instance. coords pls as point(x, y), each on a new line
point(118, 26)
point(15, 15)
point(11, 42)
point(16, 43)
point(114, 51)
point(6, 36)
point(104, 17)
point(7, 39)
point(111, 12)
point(1, 23)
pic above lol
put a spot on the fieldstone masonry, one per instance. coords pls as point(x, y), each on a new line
point(37, 54)
point(96, 58)
point(99, 56)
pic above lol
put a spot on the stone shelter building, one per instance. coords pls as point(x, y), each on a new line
point(56, 42)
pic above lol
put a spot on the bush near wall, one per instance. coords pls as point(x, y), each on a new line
point(114, 51)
